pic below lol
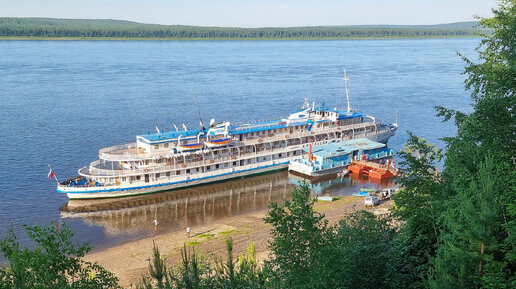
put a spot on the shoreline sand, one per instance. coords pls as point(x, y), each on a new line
point(129, 261)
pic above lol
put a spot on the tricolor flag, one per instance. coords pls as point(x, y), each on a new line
point(51, 174)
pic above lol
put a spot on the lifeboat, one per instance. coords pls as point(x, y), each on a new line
point(189, 147)
point(218, 142)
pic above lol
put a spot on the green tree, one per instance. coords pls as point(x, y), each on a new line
point(365, 246)
point(55, 262)
point(480, 214)
point(418, 208)
point(300, 236)
point(467, 258)
point(157, 268)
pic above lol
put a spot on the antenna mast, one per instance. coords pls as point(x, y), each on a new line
point(347, 92)
point(199, 111)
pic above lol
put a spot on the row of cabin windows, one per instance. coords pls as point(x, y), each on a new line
point(217, 166)
point(165, 145)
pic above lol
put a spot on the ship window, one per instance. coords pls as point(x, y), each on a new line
point(196, 169)
point(156, 146)
point(178, 172)
point(157, 175)
point(279, 155)
point(138, 177)
point(216, 166)
point(188, 171)
point(208, 167)
point(248, 161)
point(234, 164)
point(123, 179)
point(165, 145)
point(168, 174)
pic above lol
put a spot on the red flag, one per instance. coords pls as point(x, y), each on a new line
point(51, 174)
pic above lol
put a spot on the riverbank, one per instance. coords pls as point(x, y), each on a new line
point(130, 261)
point(39, 38)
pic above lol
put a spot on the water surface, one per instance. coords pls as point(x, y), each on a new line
point(62, 101)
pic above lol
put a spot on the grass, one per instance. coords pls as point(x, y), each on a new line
point(228, 232)
point(192, 243)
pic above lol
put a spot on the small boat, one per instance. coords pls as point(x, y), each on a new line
point(218, 142)
point(189, 147)
point(361, 194)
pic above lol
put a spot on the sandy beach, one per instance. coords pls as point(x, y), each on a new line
point(130, 260)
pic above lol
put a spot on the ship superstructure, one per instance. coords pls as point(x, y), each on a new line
point(181, 158)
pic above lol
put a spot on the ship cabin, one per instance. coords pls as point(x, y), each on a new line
point(222, 148)
point(331, 157)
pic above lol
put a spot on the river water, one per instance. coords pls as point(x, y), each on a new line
point(62, 101)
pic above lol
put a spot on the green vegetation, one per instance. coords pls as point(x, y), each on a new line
point(44, 28)
point(54, 262)
point(451, 228)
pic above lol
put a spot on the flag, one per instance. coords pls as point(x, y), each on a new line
point(51, 174)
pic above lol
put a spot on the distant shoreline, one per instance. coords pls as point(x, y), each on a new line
point(39, 38)
point(12, 28)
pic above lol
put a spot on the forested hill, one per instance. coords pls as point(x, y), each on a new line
point(119, 29)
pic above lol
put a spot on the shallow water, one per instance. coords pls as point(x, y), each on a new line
point(64, 100)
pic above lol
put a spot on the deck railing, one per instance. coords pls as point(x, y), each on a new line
point(110, 152)
point(95, 170)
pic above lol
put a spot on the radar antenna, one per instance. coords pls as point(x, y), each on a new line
point(347, 91)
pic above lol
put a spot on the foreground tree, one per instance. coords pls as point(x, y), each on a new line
point(418, 208)
point(55, 262)
point(365, 246)
point(300, 241)
point(478, 249)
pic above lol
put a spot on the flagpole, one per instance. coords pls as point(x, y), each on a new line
point(55, 176)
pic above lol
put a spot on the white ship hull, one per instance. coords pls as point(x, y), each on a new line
point(146, 188)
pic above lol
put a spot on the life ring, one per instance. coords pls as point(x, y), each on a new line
point(287, 136)
point(183, 165)
point(211, 161)
point(146, 170)
point(233, 157)
point(260, 140)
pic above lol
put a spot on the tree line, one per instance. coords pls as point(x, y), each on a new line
point(451, 227)
point(48, 27)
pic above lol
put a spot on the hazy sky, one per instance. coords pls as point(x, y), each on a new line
point(254, 13)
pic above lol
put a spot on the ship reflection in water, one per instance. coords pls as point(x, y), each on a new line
point(177, 209)
point(107, 221)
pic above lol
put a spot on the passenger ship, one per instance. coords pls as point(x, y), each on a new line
point(176, 159)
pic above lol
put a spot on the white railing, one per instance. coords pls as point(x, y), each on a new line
point(109, 153)
point(94, 171)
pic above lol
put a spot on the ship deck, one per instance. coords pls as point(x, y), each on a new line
point(129, 152)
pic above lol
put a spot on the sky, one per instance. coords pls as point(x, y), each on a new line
point(254, 13)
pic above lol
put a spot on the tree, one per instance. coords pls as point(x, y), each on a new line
point(480, 214)
point(55, 262)
point(418, 208)
point(299, 237)
point(466, 258)
point(365, 246)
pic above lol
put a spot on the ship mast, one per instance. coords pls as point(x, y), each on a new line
point(199, 112)
point(347, 92)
